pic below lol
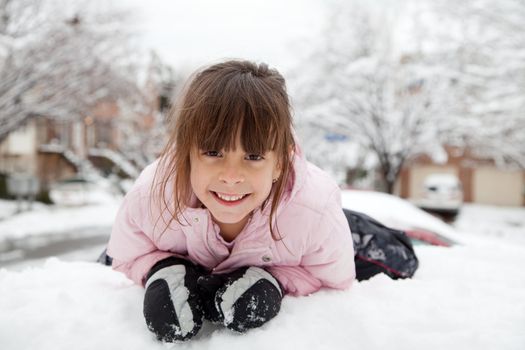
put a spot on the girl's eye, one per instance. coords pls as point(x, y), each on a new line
point(212, 153)
point(254, 157)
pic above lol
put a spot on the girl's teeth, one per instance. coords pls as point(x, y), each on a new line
point(229, 198)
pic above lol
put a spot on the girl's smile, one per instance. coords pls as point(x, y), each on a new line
point(229, 199)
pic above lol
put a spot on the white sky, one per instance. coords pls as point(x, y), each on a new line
point(192, 33)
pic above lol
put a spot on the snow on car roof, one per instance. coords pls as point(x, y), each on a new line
point(441, 179)
point(395, 212)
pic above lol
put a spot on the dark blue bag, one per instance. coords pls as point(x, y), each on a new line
point(380, 249)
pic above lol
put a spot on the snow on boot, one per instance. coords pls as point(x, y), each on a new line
point(249, 298)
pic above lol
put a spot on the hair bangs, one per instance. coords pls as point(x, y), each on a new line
point(236, 114)
point(258, 134)
point(220, 133)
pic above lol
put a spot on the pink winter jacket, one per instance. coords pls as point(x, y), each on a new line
point(316, 249)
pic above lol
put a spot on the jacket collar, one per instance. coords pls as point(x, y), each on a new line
point(295, 182)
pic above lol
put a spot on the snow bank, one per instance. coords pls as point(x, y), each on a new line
point(469, 296)
point(499, 222)
point(465, 297)
point(45, 219)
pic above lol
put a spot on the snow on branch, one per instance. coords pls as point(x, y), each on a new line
point(56, 64)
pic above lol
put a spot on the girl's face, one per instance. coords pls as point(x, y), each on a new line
point(232, 184)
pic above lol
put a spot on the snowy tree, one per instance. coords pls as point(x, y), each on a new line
point(366, 89)
point(144, 130)
point(484, 51)
point(59, 60)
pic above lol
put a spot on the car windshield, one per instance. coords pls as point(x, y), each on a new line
point(442, 183)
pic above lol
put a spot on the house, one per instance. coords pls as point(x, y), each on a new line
point(483, 181)
point(51, 149)
point(111, 138)
point(45, 148)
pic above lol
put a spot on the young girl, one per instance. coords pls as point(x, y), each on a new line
point(231, 217)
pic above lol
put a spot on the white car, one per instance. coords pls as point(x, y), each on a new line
point(442, 193)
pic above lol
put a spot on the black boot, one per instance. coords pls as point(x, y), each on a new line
point(243, 299)
point(172, 305)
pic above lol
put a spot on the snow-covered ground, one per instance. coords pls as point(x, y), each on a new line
point(45, 225)
point(44, 219)
point(470, 296)
point(496, 222)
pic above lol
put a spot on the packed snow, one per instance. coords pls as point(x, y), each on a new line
point(469, 296)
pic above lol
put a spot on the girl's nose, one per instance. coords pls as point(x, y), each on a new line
point(231, 174)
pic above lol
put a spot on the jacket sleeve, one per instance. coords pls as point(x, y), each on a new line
point(131, 247)
point(329, 256)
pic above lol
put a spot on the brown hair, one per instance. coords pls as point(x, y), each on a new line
point(219, 102)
